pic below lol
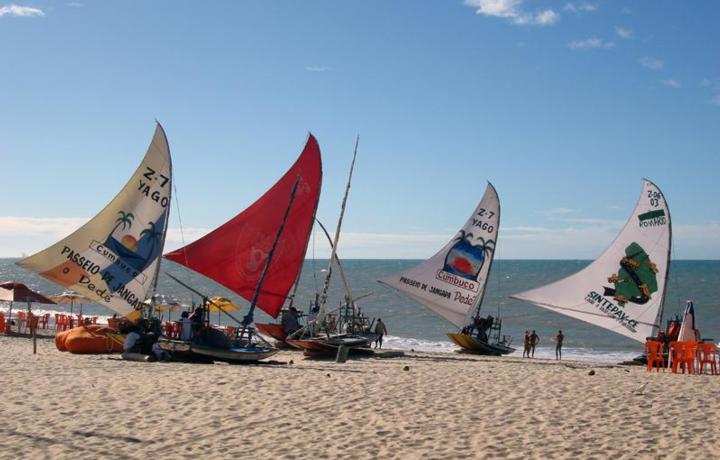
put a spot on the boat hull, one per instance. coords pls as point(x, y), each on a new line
point(188, 351)
point(235, 354)
point(276, 331)
point(470, 344)
point(330, 346)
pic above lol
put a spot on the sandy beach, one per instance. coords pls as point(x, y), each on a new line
point(58, 405)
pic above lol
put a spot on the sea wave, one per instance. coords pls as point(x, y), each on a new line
point(573, 354)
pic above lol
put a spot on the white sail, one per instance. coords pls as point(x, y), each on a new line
point(114, 258)
point(689, 325)
point(623, 290)
point(452, 282)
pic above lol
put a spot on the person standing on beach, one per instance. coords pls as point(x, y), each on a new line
point(534, 340)
point(558, 345)
point(380, 330)
point(526, 345)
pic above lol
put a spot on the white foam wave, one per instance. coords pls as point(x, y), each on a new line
point(406, 343)
point(574, 354)
point(583, 354)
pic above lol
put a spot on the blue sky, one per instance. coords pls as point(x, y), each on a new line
point(564, 106)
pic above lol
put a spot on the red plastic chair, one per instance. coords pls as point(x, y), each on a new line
point(44, 320)
point(707, 354)
point(654, 354)
point(676, 352)
point(683, 356)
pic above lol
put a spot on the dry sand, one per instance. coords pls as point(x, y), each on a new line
point(445, 406)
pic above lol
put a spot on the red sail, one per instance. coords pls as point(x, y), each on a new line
point(235, 253)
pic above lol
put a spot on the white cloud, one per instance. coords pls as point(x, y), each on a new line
point(579, 8)
point(590, 43)
point(652, 63)
point(21, 11)
point(624, 33)
point(53, 226)
point(75, 4)
point(625, 11)
point(317, 68)
point(670, 83)
point(514, 12)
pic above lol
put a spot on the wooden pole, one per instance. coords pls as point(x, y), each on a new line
point(32, 329)
point(333, 253)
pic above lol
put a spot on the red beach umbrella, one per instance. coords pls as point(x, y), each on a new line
point(18, 292)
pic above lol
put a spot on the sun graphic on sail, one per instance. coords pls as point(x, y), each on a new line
point(466, 259)
point(129, 242)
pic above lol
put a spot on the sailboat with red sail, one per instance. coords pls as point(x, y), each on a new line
point(350, 329)
point(258, 254)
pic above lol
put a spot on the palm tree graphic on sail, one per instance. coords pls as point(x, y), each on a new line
point(125, 219)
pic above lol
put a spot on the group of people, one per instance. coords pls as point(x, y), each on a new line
point(531, 340)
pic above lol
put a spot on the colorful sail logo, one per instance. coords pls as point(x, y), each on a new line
point(465, 259)
point(636, 279)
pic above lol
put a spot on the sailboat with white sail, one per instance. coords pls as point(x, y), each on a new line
point(114, 258)
point(623, 290)
point(452, 283)
point(258, 255)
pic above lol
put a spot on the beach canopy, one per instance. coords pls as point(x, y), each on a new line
point(18, 292)
point(70, 298)
point(164, 302)
point(217, 304)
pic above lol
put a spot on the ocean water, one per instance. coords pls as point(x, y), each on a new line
point(412, 326)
